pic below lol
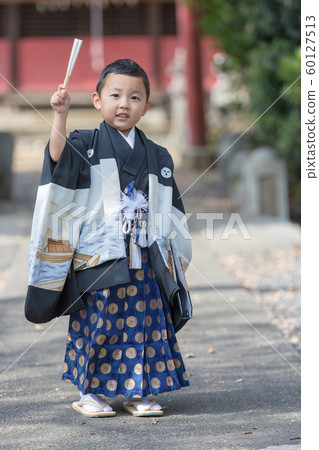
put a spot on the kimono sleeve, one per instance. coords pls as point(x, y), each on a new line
point(61, 199)
point(182, 236)
point(71, 169)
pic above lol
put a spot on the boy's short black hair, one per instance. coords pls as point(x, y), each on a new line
point(124, 67)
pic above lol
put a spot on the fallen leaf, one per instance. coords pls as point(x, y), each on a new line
point(154, 421)
point(247, 432)
point(189, 355)
point(295, 438)
point(255, 428)
point(228, 431)
point(210, 375)
point(239, 380)
point(211, 350)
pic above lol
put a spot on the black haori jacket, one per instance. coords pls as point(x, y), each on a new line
point(77, 242)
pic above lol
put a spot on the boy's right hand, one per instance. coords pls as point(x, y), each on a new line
point(60, 100)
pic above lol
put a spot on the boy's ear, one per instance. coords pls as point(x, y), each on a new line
point(147, 107)
point(96, 100)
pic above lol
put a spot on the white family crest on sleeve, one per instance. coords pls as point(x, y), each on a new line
point(166, 172)
point(90, 152)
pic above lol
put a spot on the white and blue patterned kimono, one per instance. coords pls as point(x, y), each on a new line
point(121, 336)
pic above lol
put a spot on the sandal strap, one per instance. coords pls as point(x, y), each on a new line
point(91, 403)
point(138, 402)
point(154, 402)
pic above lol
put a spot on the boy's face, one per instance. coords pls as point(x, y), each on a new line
point(122, 101)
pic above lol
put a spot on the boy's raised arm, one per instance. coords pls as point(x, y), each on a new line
point(60, 102)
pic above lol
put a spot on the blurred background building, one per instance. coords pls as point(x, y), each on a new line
point(214, 68)
point(35, 38)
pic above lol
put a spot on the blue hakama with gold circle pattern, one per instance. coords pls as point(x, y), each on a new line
point(123, 343)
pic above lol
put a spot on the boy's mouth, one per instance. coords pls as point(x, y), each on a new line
point(122, 116)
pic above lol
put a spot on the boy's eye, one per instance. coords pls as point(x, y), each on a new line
point(115, 95)
point(134, 97)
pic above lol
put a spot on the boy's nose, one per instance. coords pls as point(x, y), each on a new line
point(124, 102)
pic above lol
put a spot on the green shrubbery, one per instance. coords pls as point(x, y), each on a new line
point(262, 41)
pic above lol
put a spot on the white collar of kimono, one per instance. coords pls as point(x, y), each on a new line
point(130, 138)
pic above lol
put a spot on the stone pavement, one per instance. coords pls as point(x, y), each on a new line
point(245, 381)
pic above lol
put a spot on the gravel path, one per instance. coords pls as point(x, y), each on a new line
point(272, 277)
point(274, 280)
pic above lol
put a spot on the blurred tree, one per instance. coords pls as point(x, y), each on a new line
point(262, 42)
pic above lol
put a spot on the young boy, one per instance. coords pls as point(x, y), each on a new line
point(121, 334)
point(122, 98)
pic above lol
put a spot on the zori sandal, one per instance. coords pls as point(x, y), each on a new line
point(78, 406)
point(131, 406)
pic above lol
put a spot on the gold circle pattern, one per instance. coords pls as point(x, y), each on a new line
point(112, 308)
point(100, 304)
point(131, 290)
point(160, 366)
point(120, 324)
point(131, 321)
point(113, 339)
point(102, 353)
point(117, 354)
point(139, 337)
point(106, 368)
point(156, 335)
point(129, 383)
point(95, 382)
point(140, 275)
point(101, 339)
point(140, 306)
point(121, 292)
point(131, 352)
point(111, 385)
point(150, 352)
point(83, 313)
point(76, 326)
point(138, 369)
point(123, 368)
point(155, 382)
point(81, 360)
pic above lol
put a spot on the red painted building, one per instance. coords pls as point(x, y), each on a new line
point(36, 38)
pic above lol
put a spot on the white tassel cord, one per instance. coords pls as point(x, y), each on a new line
point(140, 237)
point(133, 204)
point(135, 255)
